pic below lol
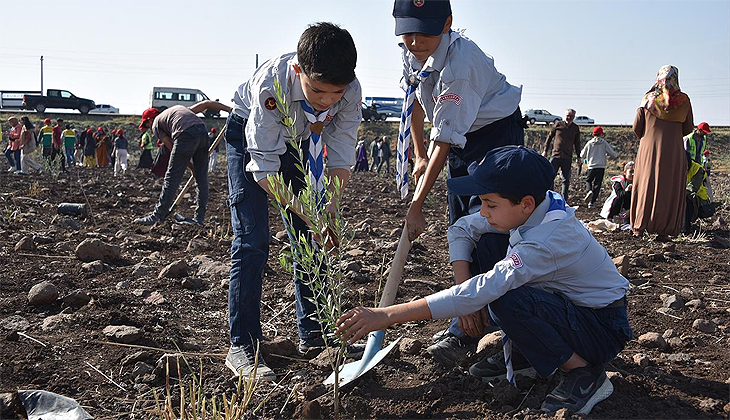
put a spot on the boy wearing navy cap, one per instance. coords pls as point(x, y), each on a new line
point(557, 295)
point(324, 97)
point(473, 109)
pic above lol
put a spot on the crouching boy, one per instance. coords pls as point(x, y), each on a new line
point(557, 296)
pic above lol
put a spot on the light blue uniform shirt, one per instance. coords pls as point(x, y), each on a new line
point(266, 136)
point(553, 253)
point(464, 93)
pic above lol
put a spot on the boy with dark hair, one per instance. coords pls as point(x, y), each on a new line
point(557, 296)
point(473, 109)
point(319, 84)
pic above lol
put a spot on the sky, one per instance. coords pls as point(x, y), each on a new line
point(598, 57)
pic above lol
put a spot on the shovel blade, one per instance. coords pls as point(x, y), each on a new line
point(371, 357)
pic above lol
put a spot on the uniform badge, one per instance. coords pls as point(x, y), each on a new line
point(413, 80)
point(516, 260)
point(450, 97)
point(418, 3)
point(270, 103)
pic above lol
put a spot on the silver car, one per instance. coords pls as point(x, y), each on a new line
point(541, 115)
point(583, 120)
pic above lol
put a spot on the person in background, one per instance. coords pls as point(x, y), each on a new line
point(658, 196)
point(79, 149)
point(361, 162)
point(698, 204)
point(595, 152)
point(375, 153)
point(46, 136)
point(564, 138)
point(120, 153)
point(69, 142)
point(89, 144)
point(146, 145)
point(695, 143)
point(619, 202)
point(385, 153)
point(213, 160)
point(12, 151)
point(28, 138)
point(102, 151)
point(58, 149)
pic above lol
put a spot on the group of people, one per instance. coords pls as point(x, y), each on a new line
point(381, 152)
point(671, 188)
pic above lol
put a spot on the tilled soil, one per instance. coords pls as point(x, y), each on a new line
point(687, 379)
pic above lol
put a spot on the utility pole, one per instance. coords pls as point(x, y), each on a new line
point(41, 75)
point(257, 60)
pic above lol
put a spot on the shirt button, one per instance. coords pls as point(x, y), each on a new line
point(447, 122)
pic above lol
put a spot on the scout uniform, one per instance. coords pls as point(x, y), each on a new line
point(257, 146)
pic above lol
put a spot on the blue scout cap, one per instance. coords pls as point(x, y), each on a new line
point(420, 16)
point(509, 170)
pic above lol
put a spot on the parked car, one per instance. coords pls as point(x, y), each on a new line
point(583, 120)
point(165, 97)
point(56, 98)
point(390, 107)
point(104, 109)
point(541, 115)
point(370, 113)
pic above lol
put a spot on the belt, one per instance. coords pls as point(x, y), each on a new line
point(616, 303)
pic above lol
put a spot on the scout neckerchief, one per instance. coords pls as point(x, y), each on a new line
point(404, 131)
point(315, 153)
point(556, 211)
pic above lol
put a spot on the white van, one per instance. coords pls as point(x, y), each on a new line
point(165, 97)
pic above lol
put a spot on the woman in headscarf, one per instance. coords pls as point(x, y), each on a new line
point(658, 198)
point(361, 164)
point(102, 151)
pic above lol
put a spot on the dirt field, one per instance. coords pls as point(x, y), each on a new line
point(684, 376)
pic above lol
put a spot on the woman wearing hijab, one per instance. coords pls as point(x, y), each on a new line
point(361, 164)
point(658, 197)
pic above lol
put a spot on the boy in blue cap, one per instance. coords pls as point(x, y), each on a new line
point(324, 97)
point(473, 109)
point(557, 295)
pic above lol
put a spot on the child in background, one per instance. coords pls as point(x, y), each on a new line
point(699, 205)
point(619, 202)
point(145, 144)
point(120, 153)
point(69, 142)
point(557, 295)
point(89, 144)
point(595, 152)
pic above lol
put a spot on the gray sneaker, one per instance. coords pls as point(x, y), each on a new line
point(579, 390)
point(241, 360)
point(494, 367)
point(148, 220)
point(451, 350)
point(311, 348)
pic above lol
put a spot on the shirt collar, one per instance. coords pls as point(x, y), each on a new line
point(536, 218)
point(437, 60)
point(295, 84)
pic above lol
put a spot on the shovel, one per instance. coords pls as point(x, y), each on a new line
point(192, 178)
point(373, 353)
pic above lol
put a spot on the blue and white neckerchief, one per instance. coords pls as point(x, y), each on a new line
point(404, 131)
point(315, 153)
point(556, 211)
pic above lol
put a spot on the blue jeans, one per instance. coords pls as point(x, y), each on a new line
point(491, 248)
point(250, 247)
point(548, 328)
point(70, 158)
point(13, 157)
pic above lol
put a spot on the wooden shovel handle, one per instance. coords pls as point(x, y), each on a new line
point(396, 270)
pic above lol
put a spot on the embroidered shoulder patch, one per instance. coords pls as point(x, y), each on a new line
point(516, 260)
point(270, 103)
point(451, 97)
point(418, 3)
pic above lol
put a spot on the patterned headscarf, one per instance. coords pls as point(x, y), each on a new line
point(665, 100)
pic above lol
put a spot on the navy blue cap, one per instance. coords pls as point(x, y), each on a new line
point(420, 16)
point(508, 170)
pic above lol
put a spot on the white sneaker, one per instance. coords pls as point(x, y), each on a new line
point(587, 198)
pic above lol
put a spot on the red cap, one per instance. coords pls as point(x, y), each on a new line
point(100, 129)
point(212, 130)
point(706, 152)
point(147, 115)
point(704, 127)
point(88, 130)
point(47, 121)
point(119, 132)
point(597, 131)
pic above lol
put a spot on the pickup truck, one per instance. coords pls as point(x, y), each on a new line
point(57, 98)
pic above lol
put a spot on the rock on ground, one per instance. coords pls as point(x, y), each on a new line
point(123, 333)
point(410, 346)
point(175, 270)
point(42, 293)
point(704, 325)
point(76, 299)
point(652, 340)
point(92, 249)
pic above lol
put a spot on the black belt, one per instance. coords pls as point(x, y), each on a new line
point(616, 303)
